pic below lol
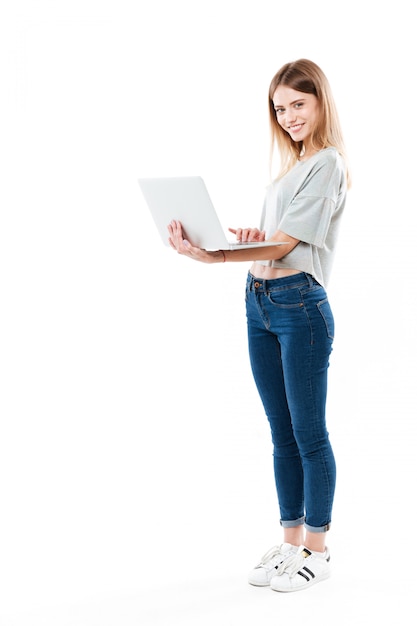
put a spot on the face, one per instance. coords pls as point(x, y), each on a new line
point(297, 113)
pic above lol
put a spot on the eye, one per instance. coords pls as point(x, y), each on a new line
point(298, 105)
point(279, 110)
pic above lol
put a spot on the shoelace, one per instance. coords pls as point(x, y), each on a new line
point(273, 553)
point(291, 565)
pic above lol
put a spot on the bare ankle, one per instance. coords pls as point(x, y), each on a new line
point(294, 536)
point(315, 541)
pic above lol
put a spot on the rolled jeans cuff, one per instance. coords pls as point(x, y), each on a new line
point(293, 523)
point(317, 529)
point(301, 522)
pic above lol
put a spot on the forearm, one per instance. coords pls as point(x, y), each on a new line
point(267, 253)
point(258, 253)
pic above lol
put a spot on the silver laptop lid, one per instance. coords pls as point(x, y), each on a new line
point(186, 199)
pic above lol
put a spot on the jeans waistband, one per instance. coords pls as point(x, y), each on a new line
point(302, 279)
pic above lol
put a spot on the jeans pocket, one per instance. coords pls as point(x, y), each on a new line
point(285, 298)
point(327, 315)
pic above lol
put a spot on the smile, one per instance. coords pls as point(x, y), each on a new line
point(295, 128)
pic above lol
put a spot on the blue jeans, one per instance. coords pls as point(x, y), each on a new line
point(290, 334)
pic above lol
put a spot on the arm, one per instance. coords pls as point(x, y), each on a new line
point(182, 246)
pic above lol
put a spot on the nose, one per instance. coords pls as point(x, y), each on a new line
point(290, 117)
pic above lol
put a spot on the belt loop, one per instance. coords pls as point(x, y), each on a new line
point(251, 282)
point(310, 279)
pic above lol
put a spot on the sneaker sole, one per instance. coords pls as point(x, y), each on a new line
point(310, 583)
point(258, 584)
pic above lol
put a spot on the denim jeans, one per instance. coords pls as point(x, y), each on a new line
point(290, 334)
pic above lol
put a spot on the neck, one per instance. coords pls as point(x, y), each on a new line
point(307, 152)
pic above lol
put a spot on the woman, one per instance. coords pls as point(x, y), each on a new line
point(290, 322)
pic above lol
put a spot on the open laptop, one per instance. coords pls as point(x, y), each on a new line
point(186, 199)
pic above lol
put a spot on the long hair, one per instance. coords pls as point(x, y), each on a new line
point(305, 76)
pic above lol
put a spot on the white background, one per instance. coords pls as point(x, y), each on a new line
point(135, 461)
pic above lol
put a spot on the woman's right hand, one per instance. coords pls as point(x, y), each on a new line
point(183, 246)
point(248, 234)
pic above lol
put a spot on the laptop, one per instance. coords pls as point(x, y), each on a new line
point(186, 199)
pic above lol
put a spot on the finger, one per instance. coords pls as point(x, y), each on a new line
point(254, 234)
point(245, 234)
point(175, 230)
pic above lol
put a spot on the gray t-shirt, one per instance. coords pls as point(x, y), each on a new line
point(307, 204)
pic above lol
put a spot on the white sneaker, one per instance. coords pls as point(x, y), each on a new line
point(262, 574)
point(302, 569)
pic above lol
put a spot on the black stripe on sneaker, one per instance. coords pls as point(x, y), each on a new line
point(308, 571)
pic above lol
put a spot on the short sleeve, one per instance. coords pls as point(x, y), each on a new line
point(310, 212)
point(308, 219)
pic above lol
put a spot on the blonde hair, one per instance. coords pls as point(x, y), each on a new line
point(305, 76)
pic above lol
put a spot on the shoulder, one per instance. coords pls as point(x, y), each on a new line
point(324, 174)
point(328, 157)
point(327, 165)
